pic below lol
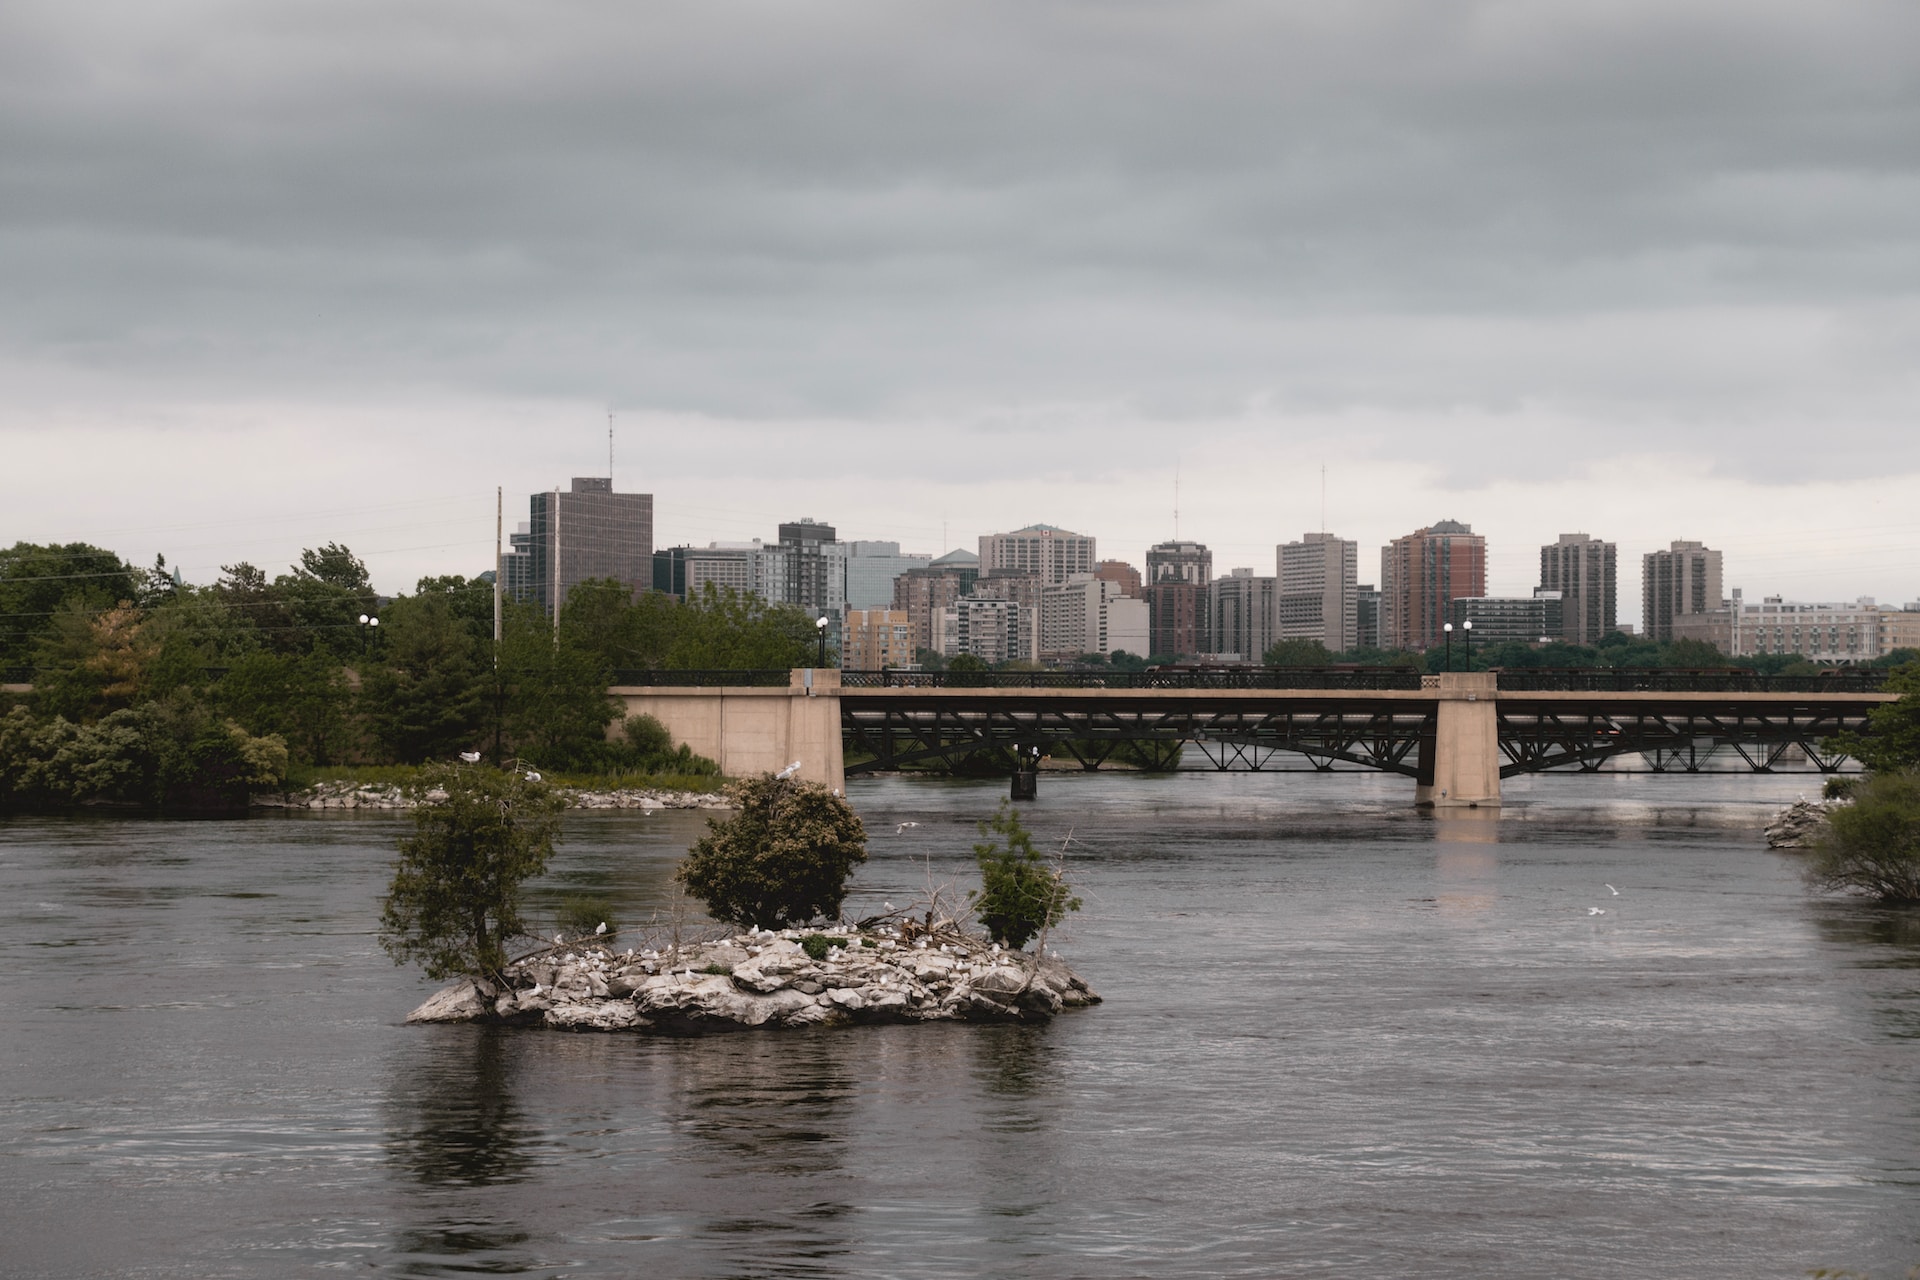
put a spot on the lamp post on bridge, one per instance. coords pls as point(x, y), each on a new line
point(1466, 640)
point(1447, 627)
point(820, 625)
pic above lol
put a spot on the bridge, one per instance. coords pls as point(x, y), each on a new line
point(1454, 736)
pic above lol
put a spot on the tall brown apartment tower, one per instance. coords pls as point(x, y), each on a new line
point(1584, 572)
point(1176, 592)
point(1421, 574)
point(1683, 579)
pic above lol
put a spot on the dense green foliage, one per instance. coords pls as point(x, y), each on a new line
point(1892, 739)
point(1873, 843)
point(172, 754)
point(479, 834)
point(1021, 893)
point(782, 858)
point(288, 657)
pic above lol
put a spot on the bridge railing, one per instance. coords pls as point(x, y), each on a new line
point(1238, 678)
point(1642, 680)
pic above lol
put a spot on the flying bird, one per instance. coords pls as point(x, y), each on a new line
point(1615, 892)
point(471, 757)
point(903, 826)
point(1596, 911)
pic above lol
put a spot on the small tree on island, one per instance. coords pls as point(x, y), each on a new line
point(479, 834)
point(781, 859)
point(1873, 844)
point(1021, 893)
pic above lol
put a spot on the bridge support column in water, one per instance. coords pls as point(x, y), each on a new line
point(1460, 764)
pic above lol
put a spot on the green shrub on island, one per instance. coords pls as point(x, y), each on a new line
point(1872, 844)
point(479, 834)
point(1021, 893)
point(782, 858)
point(585, 914)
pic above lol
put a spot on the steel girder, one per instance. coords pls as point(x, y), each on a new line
point(951, 733)
point(1671, 738)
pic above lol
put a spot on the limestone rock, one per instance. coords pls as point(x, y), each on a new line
point(1799, 826)
point(464, 1001)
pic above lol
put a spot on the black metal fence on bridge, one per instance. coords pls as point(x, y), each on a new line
point(1668, 680)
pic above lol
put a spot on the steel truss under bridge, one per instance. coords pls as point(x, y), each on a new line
point(1674, 738)
point(989, 732)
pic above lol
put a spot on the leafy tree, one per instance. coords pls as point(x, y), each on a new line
point(304, 699)
point(1873, 844)
point(968, 669)
point(325, 596)
point(423, 699)
point(1297, 653)
point(479, 834)
point(172, 755)
point(549, 695)
point(781, 859)
point(36, 581)
point(1020, 893)
point(1892, 739)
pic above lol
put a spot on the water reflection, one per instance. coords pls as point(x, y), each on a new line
point(454, 1118)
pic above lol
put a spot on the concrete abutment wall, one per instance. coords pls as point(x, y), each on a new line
point(749, 730)
point(1465, 750)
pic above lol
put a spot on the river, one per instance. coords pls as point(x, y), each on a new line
point(1340, 1038)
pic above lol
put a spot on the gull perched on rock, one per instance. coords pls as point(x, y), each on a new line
point(602, 929)
point(471, 757)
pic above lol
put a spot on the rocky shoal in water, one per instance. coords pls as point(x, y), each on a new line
point(768, 980)
point(352, 795)
point(1799, 825)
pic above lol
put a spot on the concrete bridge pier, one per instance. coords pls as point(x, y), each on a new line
point(1460, 764)
point(748, 729)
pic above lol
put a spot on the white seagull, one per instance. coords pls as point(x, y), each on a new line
point(1615, 892)
point(903, 826)
point(789, 771)
point(602, 929)
point(1596, 911)
point(471, 757)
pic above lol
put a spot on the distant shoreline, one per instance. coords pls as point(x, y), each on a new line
point(347, 795)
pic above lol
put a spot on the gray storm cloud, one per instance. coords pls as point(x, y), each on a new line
point(1681, 221)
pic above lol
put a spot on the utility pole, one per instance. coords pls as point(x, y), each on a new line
point(500, 517)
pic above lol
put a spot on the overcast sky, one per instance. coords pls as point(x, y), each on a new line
point(283, 273)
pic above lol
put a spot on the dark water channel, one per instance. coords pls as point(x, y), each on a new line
point(1339, 1039)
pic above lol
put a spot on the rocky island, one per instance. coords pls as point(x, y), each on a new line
point(765, 979)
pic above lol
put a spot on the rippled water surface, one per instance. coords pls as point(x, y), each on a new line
point(1340, 1038)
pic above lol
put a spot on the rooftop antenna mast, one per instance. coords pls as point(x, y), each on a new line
point(1176, 499)
point(609, 450)
point(1323, 497)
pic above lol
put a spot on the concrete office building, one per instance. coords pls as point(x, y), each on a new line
point(516, 565)
point(991, 630)
point(1832, 634)
point(1242, 610)
point(587, 531)
point(1900, 628)
point(1188, 562)
point(740, 567)
point(1055, 554)
point(1681, 580)
point(1421, 574)
point(876, 639)
point(1584, 571)
point(1319, 580)
point(1086, 614)
point(1535, 619)
point(871, 569)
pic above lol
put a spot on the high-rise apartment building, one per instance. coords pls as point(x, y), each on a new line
point(587, 531)
point(1177, 579)
point(1421, 574)
point(992, 630)
point(1584, 571)
point(1681, 580)
point(812, 569)
point(1319, 581)
point(876, 639)
point(871, 569)
point(1242, 610)
point(1086, 614)
point(1022, 588)
point(1121, 574)
point(1055, 554)
point(925, 593)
